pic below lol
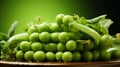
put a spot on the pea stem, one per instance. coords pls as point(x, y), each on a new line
point(37, 20)
point(76, 17)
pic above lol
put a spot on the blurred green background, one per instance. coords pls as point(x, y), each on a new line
point(25, 11)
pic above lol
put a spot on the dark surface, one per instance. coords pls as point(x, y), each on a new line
point(60, 64)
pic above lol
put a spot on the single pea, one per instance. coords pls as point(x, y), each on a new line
point(43, 27)
point(34, 37)
point(76, 56)
point(44, 37)
point(32, 29)
point(29, 55)
point(19, 55)
point(87, 56)
point(39, 56)
point(58, 56)
point(54, 37)
point(96, 55)
point(67, 19)
point(54, 27)
point(25, 46)
point(71, 45)
point(51, 47)
point(63, 37)
point(50, 56)
point(61, 47)
point(67, 56)
point(105, 55)
point(36, 46)
point(59, 18)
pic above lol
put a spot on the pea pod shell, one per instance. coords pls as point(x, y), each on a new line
point(18, 38)
point(92, 33)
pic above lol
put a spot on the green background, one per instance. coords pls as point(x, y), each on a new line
point(25, 11)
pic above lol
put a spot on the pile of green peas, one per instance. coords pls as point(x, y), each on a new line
point(50, 42)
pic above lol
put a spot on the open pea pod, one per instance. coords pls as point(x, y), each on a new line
point(86, 30)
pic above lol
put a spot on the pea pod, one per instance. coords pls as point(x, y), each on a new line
point(92, 33)
point(17, 38)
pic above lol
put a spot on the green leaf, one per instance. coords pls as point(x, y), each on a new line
point(3, 36)
point(82, 20)
point(97, 19)
point(106, 22)
point(2, 43)
point(5, 48)
point(104, 25)
point(104, 30)
point(12, 29)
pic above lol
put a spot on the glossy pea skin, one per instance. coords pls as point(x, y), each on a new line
point(67, 19)
point(59, 18)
